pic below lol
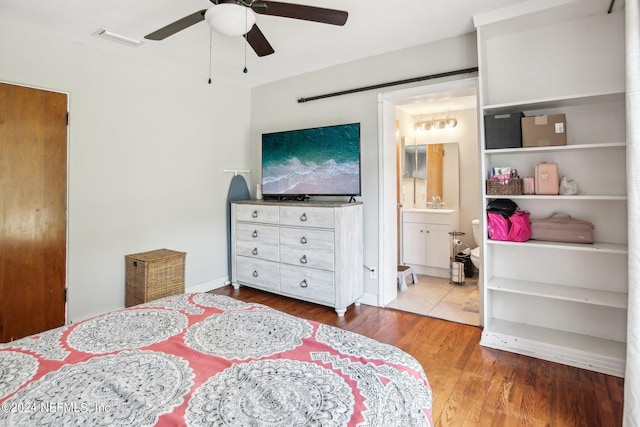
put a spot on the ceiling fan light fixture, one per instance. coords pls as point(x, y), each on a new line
point(230, 19)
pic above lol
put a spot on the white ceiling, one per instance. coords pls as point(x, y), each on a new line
point(374, 27)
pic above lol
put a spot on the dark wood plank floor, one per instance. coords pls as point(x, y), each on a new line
point(473, 385)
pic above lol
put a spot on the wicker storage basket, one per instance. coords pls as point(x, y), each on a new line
point(504, 187)
point(152, 275)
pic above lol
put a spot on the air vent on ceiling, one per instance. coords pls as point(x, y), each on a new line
point(109, 35)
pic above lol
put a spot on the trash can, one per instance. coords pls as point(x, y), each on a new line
point(468, 265)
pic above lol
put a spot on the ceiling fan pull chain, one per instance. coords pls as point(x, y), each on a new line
point(246, 41)
point(210, 51)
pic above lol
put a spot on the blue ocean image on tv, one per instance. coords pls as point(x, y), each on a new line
point(317, 161)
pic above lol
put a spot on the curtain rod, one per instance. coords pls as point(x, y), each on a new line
point(395, 83)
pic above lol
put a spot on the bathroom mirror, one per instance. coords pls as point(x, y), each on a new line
point(429, 170)
point(415, 161)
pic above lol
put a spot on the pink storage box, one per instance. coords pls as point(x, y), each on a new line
point(547, 180)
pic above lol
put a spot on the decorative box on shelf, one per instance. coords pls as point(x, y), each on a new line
point(503, 130)
point(154, 274)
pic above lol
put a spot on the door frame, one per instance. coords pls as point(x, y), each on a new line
point(387, 192)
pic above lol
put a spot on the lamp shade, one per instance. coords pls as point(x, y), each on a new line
point(230, 19)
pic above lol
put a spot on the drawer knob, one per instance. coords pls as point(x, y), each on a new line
point(303, 218)
point(303, 240)
point(303, 260)
point(255, 214)
point(255, 251)
point(304, 284)
point(254, 234)
point(255, 273)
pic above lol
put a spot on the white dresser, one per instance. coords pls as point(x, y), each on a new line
point(306, 250)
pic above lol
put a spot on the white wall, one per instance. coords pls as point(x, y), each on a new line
point(274, 107)
point(147, 147)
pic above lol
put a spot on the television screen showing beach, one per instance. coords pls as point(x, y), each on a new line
point(318, 161)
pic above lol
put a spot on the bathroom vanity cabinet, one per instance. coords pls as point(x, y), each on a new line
point(561, 302)
point(426, 243)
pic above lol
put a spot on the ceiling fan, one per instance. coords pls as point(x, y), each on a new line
point(237, 18)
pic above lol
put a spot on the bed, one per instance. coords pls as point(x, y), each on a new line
point(205, 360)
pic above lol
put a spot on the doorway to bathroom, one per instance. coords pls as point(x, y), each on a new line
point(425, 119)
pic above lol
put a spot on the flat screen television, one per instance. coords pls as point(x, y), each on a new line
point(321, 161)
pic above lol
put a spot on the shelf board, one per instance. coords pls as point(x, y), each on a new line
point(550, 148)
point(579, 350)
point(614, 248)
point(582, 197)
point(561, 292)
point(551, 103)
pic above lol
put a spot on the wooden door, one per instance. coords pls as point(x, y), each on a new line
point(33, 200)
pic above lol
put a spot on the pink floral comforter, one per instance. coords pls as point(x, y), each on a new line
point(208, 360)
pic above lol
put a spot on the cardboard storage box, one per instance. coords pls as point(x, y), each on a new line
point(503, 130)
point(152, 275)
point(540, 131)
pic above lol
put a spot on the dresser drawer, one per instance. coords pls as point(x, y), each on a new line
point(307, 248)
point(257, 241)
point(312, 259)
point(307, 216)
point(306, 239)
point(307, 283)
point(257, 233)
point(257, 213)
point(257, 272)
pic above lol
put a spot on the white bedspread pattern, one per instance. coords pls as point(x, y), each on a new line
point(208, 360)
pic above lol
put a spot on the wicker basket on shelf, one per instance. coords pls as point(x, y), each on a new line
point(504, 187)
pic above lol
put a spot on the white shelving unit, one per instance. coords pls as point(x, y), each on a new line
point(559, 301)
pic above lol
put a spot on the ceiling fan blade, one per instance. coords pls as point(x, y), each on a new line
point(177, 26)
point(258, 42)
point(298, 11)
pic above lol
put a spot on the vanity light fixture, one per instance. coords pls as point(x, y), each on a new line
point(109, 35)
point(426, 125)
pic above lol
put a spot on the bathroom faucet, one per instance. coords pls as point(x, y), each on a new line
point(436, 200)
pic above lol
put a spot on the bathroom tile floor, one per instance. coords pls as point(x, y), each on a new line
point(436, 297)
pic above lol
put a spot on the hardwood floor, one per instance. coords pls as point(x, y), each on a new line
point(473, 385)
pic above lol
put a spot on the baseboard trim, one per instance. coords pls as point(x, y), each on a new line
point(559, 354)
point(209, 285)
point(370, 299)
